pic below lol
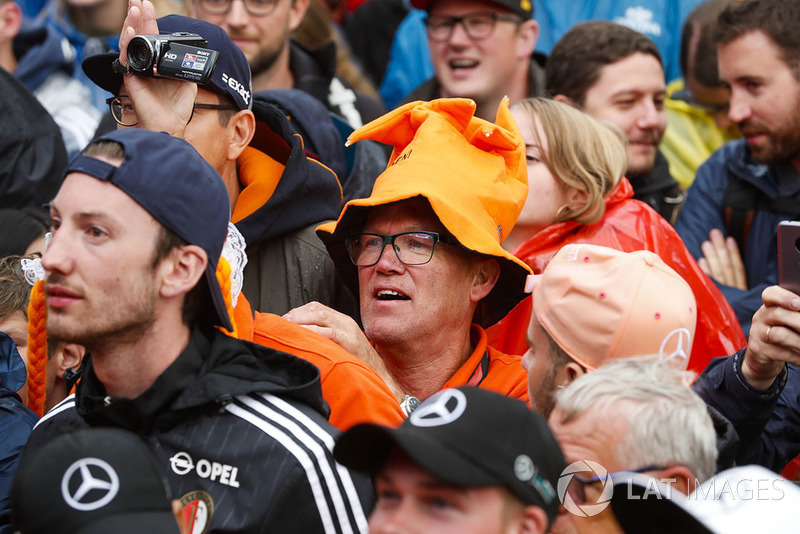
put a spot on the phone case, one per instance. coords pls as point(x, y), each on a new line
point(789, 255)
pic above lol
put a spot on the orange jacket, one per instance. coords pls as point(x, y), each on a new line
point(498, 372)
point(354, 391)
point(629, 225)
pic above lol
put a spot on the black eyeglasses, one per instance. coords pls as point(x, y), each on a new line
point(254, 7)
point(124, 113)
point(477, 25)
point(411, 248)
point(576, 489)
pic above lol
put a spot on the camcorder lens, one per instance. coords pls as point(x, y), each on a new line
point(140, 54)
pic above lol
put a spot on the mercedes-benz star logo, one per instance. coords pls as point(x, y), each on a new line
point(441, 409)
point(90, 474)
point(676, 345)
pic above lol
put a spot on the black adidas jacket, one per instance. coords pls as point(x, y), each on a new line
point(240, 431)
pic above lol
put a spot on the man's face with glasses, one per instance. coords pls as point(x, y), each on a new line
point(204, 131)
point(477, 47)
point(260, 28)
point(415, 281)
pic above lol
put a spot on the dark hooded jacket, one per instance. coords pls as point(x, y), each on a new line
point(767, 421)
point(288, 265)
point(32, 154)
point(46, 67)
point(240, 431)
point(16, 422)
point(314, 72)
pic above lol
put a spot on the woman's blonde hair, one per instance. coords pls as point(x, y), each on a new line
point(582, 153)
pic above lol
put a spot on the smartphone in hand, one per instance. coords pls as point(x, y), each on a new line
point(789, 255)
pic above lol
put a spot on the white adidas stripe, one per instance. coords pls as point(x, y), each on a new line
point(327, 439)
point(302, 456)
point(64, 405)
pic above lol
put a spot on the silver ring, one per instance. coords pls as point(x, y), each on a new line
point(767, 336)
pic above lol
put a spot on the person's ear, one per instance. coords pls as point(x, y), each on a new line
point(533, 521)
point(71, 357)
point(572, 371)
point(577, 200)
point(10, 21)
point(297, 12)
point(564, 99)
point(241, 129)
point(182, 270)
point(679, 477)
point(486, 276)
point(527, 36)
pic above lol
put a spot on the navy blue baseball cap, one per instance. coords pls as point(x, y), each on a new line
point(168, 178)
point(231, 75)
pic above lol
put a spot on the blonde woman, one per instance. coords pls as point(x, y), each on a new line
point(578, 194)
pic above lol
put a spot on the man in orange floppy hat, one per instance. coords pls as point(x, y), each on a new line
point(451, 193)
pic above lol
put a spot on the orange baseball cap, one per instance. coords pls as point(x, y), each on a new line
point(473, 174)
point(600, 304)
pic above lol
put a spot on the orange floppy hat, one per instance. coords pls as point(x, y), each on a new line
point(600, 304)
point(472, 173)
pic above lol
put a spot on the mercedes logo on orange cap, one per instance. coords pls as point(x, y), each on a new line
point(97, 484)
point(676, 346)
point(441, 409)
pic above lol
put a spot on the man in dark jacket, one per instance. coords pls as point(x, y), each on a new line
point(758, 388)
point(278, 195)
point(241, 430)
point(615, 74)
point(262, 30)
point(746, 187)
point(483, 50)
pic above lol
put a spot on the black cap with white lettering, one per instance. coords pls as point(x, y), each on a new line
point(92, 481)
point(468, 437)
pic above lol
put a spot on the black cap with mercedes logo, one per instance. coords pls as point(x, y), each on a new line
point(468, 437)
point(92, 481)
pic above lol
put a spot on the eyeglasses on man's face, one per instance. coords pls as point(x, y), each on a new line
point(221, 7)
point(125, 114)
point(577, 485)
point(411, 248)
point(477, 25)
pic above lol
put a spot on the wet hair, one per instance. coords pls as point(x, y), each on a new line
point(578, 57)
point(582, 153)
point(698, 49)
point(775, 18)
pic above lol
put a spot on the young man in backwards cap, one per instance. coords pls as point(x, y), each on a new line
point(467, 460)
point(138, 227)
point(450, 195)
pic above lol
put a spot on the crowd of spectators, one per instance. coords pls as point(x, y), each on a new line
point(496, 266)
